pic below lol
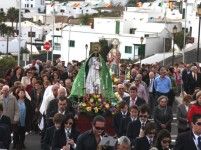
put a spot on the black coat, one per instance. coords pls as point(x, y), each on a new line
point(34, 101)
point(29, 115)
point(139, 102)
point(5, 120)
point(190, 84)
point(87, 141)
point(185, 141)
point(120, 123)
point(47, 141)
point(163, 116)
point(59, 139)
point(5, 138)
point(133, 130)
point(52, 109)
point(142, 144)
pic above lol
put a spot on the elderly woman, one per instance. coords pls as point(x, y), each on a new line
point(163, 114)
point(182, 111)
point(123, 143)
point(195, 108)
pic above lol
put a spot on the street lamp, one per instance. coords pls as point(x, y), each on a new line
point(86, 47)
point(199, 15)
point(141, 41)
point(174, 33)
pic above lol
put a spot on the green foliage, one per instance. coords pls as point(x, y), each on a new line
point(12, 15)
point(179, 39)
point(5, 30)
point(2, 16)
point(84, 19)
point(7, 62)
point(24, 50)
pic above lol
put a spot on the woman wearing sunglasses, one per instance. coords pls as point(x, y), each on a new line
point(66, 137)
point(163, 140)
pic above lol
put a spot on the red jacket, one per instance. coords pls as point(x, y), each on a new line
point(194, 109)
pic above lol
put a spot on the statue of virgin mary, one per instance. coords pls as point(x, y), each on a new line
point(93, 78)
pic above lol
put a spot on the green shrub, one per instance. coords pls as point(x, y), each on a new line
point(6, 62)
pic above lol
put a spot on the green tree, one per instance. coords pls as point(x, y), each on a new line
point(2, 16)
point(6, 63)
point(84, 19)
point(13, 15)
point(2, 29)
point(179, 39)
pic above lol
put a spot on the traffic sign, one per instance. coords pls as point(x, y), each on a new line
point(47, 46)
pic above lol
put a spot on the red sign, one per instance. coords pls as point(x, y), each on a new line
point(47, 46)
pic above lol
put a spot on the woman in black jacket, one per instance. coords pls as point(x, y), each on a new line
point(25, 111)
point(163, 114)
point(66, 136)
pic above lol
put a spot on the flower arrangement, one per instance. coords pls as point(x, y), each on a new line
point(96, 104)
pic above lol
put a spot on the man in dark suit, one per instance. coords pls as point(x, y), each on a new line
point(121, 119)
point(60, 107)
point(90, 139)
point(136, 128)
point(5, 138)
point(185, 73)
point(146, 142)
point(190, 140)
point(5, 129)
point(193, 80)
point(133, 99)
point(47, 141)
point(4, 119)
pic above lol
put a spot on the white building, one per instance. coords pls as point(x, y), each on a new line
point(109, 28)
point(37, 5)
point(31, 5)
point(70, 9)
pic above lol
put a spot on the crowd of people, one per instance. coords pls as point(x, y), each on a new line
point(36, 99)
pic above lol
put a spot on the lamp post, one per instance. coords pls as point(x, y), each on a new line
point(141, 41)
point(199, 15)
point(86, 47)
point(174, 33)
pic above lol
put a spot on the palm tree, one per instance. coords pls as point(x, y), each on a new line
point(2, 16)
point(8, 32)
point(2, 29)
point(12, 15)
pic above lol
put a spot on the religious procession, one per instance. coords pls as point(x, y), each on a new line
point(101, 104)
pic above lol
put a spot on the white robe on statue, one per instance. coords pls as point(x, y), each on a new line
point(93, 77)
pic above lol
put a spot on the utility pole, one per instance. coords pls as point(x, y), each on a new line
point(53, 32)
point(31, 43)
point(7, 42)
point(19, 34)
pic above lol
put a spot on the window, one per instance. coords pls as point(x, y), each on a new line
point(71, 43)
point(117, 27)
point(31, 5)
point(128, 49)
point(27, 5)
